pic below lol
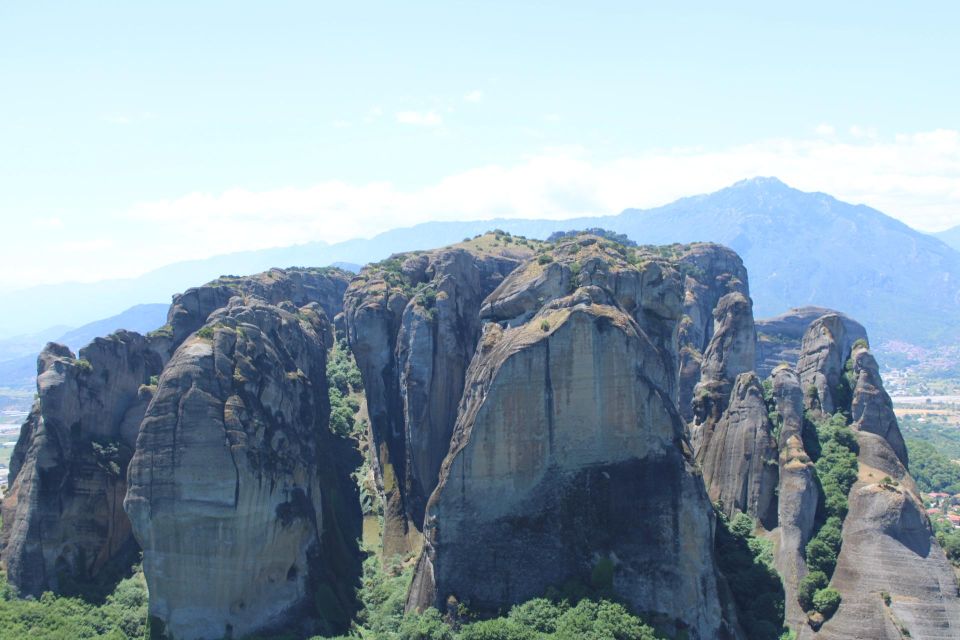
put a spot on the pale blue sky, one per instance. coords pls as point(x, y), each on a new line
point(132, 135)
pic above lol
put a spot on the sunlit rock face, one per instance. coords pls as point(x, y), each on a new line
point(239, 493)
point(64, 529)
point(413, 323)
point(569, 451)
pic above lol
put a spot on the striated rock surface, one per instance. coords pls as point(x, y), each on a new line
point(825, 349)
point(710, 272)
point(299, 286)
point(871, 408)
point(730, 353)
point(569, 452)
point(240, 495)
point(888, 548)
point(797, 493)
point(413, 323)
point(740, 464)
point(63, 524)
point(779, 339)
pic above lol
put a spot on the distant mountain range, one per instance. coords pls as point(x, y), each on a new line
point(951, 236)
point(800, 249)
point(18, 355)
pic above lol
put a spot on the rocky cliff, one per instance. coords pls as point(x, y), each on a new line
point(825, 350)
point(893, 577)
point(299, 286)
point(63, 524)
point(779, 339)
point(710, 272)
point(413, 322)
point(740, 468)
point(568, 459)
point(797, 493)
point(240, 495)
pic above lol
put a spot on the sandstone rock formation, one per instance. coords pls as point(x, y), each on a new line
point(779, 339)
point(299, 286)
point(569, 451)
point(710, 272)
point(797, 494)
point(740, 464)
point(413, 323)
point(63, 525)
point(240, 495)
point(826, 347)
point(888, 551)
point(730, 353)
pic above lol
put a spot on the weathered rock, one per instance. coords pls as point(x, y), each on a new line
point(710, 272)
point(871, 408)
point(569, 452)
point(240, 495)
point(740, 464)
point(413, 322)
point(779, 339)
point(63, 526)
point(824, 352)
point(299, 286)
point(888, 549)
point(730, 353)
point(797, 495)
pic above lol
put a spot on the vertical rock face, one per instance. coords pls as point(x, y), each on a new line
point(888, 546)
point(298, 286)
point(413, 323)
point(730, 353)
point(797, 495)
point(779, 339)
point(710, 272)
point(63, 523)
point(740, 464)
point(871, 409)
point(239, 493)
point(569, 452)
point(826, 347)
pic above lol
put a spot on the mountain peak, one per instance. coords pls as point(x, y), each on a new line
point(761, 182)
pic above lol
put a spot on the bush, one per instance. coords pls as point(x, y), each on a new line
point(497, 629)
point(808, 587)
point(820, 556)
point(424, 626)
point(545, 258)
point(826, 601)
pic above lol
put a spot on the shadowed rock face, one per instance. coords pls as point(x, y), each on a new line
point(413, 323)
point(888, 545)
point(779, 339)
point(63, 524)
point(569, 450)
point(740, 463)
point(710, 271)
point(239, 493)
point(730, 353)
point(825, 349)
point(797, 495)
point(190, 309)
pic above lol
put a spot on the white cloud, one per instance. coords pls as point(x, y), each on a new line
point(420, 118)
point(552, 117)
point(914, 177)
point(341, 124)
point(474, 96)
point(825, 130)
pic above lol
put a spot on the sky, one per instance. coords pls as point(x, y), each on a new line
point(133, 135)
